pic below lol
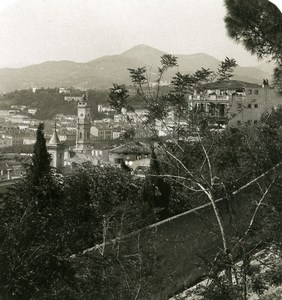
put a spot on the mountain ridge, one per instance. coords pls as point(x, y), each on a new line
point(103, 71)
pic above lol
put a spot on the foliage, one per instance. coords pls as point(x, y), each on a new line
point(257, 25)
point(277, 79)
point(45, 219)
point(49, 102)
point(156, 190)
point(43, 225)
point(118, 96)
point(213, 166)
point(41, 159)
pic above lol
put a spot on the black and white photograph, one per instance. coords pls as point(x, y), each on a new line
point(140, 149)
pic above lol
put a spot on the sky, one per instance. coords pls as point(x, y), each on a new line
point(34, 31)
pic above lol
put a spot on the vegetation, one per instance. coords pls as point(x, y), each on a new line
point(46, 219)
point(49, 102)
point(258, 26)
point(241, 163)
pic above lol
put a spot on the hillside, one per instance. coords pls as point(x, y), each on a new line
point(104, 71)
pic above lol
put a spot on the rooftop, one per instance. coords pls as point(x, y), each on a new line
point(132, 148)
point(54, 139)
point(231, 84)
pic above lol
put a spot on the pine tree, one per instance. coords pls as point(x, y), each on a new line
point(257, 24)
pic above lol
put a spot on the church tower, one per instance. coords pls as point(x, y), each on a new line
point(83, 127)
point(56, 149)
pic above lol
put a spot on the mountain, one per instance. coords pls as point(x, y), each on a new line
point(104, 71)
point(267, 67)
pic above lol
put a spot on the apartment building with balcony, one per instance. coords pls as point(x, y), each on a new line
point(234, 102)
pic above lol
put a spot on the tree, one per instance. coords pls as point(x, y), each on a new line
point(44, 227)
point(156, 190)
point(258, 26)
point(41, 159)
point(32, 252)
point(213, 167)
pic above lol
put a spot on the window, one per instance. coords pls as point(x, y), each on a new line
point(256, 92)
point(255, 122)
point(249, 105)
point(118, 160)
point(238, 123)
point(249, 122)
point(239, 105)
point(256, 106)
point(80, 135)
point(250, 92)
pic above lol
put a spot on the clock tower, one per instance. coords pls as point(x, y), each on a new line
point(83, 127)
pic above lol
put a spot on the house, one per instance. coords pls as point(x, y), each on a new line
point(104, 108)
point(12, 138)
point(63, 90)
point(129, 153)
point(73, 98)
point(102, 131)
point(138, 116)
point(29, 140)
point(101, 151)
point(4, 142)
point(32, 111)
point(67, 136)
point(11, 167)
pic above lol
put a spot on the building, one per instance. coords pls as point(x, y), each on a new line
point(4, 142)
point(102, 131)
point(234, 102)
point(29, 140)
point(12, 166)
point(83, 127)
point(32, 111)
point(63, 90)
point(56, 149)
point(129, 153)
point(73, 98)
point(105, 109)
point(11, 138)
point(67, 136)
point(138, 116)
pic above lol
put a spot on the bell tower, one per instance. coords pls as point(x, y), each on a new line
point(83, 127)
point(56, 149)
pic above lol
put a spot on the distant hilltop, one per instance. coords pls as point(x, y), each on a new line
point(104, 71)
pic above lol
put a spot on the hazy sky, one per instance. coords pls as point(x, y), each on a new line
point(33, 31)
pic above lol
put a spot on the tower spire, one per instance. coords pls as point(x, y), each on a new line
point(56, 149)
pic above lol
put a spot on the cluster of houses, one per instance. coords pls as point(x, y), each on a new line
point(89, 148)
point(75, 140)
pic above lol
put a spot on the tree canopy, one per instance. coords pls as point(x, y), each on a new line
point(257, 24)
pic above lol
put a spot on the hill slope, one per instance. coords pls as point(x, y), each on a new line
point(104, 71)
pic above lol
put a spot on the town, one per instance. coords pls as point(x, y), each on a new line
point(140, 150)
point(76, 139)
